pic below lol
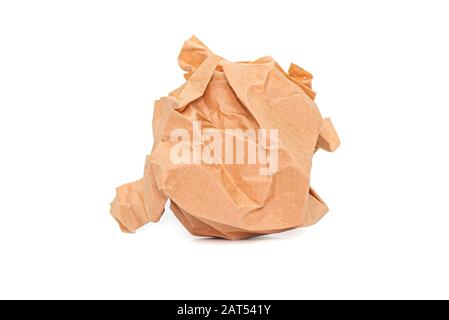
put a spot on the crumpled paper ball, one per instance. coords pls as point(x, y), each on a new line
point(254, 104)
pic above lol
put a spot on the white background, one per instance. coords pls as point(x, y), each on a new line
point(77, 84)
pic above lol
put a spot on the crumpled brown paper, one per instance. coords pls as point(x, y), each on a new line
point(232, 201)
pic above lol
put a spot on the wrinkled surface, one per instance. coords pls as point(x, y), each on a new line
point(226, 200)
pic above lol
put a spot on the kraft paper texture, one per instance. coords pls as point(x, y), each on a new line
point(232, 201)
